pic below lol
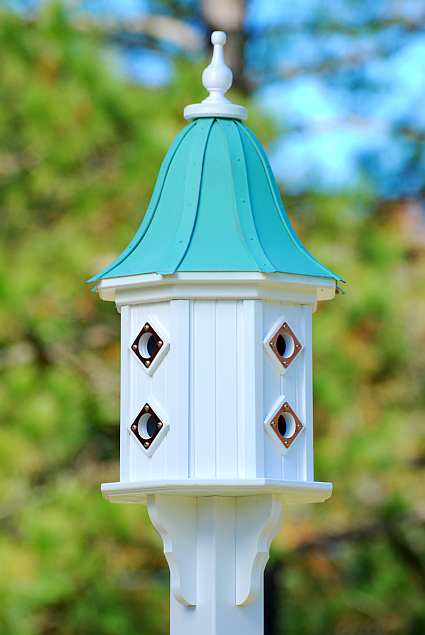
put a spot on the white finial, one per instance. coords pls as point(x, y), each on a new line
point(217, 79)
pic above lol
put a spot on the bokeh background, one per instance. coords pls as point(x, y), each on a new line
point(91, 95)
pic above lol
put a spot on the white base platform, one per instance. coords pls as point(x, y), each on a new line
point(290, 491)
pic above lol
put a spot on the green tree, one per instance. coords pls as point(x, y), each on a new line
point(80, 150)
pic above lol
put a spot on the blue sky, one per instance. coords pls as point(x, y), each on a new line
point(336, 128)
point(333, 126)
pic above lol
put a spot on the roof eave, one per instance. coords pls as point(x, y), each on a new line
point(154, 287)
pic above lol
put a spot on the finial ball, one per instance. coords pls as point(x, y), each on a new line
point(217, 79)
point(218, 37)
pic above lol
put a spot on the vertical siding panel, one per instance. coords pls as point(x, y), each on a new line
point(241, 391)
point(148, 388)
point(295, 386)
point(177, 440)
point(132, 410)
point(273, 315)
point(294, 395)
point(226, 389)
point(253, 380)
point(192, 431)
point(141, 393)
point(125, 395)
point(159, 314)
point(204, 374)
point(300, 396)
point(308, 379)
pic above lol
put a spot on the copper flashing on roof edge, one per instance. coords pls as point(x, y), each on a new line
point(146, 437)
point(276, 425)
point(285, 345)
point(141, 349)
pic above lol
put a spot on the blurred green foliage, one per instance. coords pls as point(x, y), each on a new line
point(79, 153)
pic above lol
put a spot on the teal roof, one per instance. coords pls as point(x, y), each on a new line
point(215, 207)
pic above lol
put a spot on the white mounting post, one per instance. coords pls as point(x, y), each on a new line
point(216, 548)
point(216, 482)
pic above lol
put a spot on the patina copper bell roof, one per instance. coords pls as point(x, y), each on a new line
point(216, 205)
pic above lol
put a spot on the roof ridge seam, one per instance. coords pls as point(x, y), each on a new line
point(230, 124)
point(205, 127)
point(252, 217)
point(279, 205)
point(152, 206)
point(222, 122)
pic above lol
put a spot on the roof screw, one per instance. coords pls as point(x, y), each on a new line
point(146, 327)
point(147, 408)
point(146, 445)
point(160, 342)
point(147, 363)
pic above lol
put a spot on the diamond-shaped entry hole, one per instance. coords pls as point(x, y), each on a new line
point(146, 426)
point(285, 345)
point(286, 425)
point(147, 345)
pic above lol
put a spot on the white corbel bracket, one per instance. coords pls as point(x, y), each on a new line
point(174, 518)
point(208, 540)
point(258, 520)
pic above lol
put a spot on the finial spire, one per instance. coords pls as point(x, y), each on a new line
point(217, 79)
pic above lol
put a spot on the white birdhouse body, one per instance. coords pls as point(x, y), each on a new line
point(214, 391)
point(227, 395)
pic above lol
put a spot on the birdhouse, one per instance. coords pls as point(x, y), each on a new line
point(216, 295)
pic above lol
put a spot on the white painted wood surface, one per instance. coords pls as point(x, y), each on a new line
point(216, 548)
point(289, 491)
point(208, 285)
point(214, 389)
point(175, 518)
point(217, 78)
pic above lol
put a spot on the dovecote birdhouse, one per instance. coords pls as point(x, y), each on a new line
point(216, 295)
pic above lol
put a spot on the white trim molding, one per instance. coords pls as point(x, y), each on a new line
point(272, 287)
point(291, 492)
